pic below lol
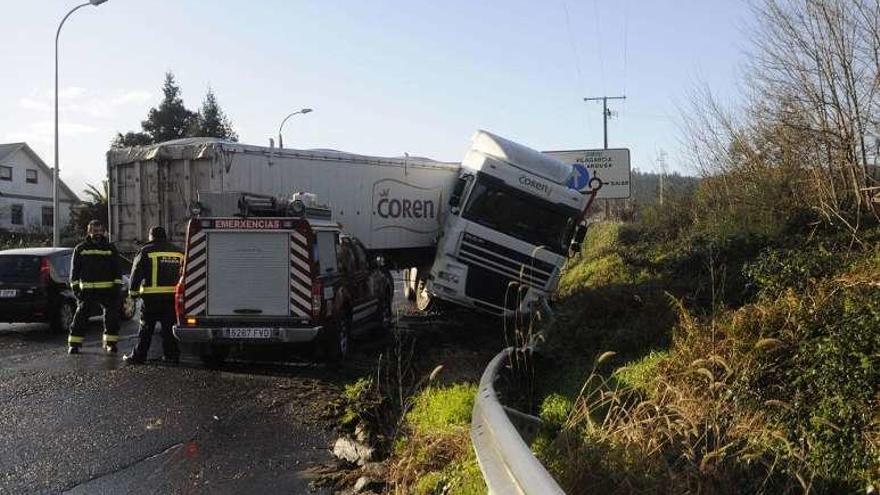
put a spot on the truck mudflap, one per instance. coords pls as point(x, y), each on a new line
point(246, 335)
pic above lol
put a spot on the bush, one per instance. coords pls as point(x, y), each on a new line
point(436, 456)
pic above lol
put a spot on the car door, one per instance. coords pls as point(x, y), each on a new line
point(375, 285)
point(357, 283)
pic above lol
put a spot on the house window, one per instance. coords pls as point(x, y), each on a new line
point(16, 214)
point(48, 217)
point(31, 176)
point(5, 173)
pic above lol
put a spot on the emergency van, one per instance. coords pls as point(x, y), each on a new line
point(263, 271)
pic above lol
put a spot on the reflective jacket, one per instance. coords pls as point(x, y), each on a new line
point(156, 269)
point(95, 266)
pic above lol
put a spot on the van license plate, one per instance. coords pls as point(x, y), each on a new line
point(248, 333)
point(8, 293)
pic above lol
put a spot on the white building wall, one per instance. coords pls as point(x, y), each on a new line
point(31, 197)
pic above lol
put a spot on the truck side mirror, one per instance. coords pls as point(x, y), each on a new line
point(458, 191)
point(577, 239)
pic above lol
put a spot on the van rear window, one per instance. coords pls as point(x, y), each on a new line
point(19, 268)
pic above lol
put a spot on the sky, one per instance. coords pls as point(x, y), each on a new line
point(383, 78)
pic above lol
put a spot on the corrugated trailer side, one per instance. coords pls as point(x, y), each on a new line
point(393, 205)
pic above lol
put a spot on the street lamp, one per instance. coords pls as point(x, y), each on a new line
point(56, 235)
point(280, 139)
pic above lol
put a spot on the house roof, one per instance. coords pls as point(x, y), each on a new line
point(10, 148)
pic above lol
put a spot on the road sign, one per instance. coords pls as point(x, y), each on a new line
point(611, 166)
point(581, 177)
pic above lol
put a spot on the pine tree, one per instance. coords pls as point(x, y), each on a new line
point(171, 120)
point(212, 121)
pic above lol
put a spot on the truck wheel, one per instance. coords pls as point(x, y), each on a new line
point(408, 292)
point(127, 308)
point(63, 318)
point(213, 356)
point(424, 300)
point(338, 341)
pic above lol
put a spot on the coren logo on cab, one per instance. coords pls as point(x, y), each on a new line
point(404, 208)
point(534, 184)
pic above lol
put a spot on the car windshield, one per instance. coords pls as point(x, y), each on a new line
point(19, 268)
point(520, 215)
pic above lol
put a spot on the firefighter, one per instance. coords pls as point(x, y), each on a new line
point(95, 280)
point(154, 275)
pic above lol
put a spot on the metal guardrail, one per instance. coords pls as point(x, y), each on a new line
point(507, 463)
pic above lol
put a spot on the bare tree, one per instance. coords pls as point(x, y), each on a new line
point(814, 77)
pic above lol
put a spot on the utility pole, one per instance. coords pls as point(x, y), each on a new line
point(662, 160)
point(606, 114)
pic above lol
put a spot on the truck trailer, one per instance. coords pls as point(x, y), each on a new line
point(490, 233)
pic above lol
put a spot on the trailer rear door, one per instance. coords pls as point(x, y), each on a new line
point(248, 273)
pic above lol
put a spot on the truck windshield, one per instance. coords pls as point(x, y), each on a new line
point(521, 215)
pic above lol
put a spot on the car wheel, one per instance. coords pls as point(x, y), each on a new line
point(338, 341)
point(128, 308)
point(63, 319)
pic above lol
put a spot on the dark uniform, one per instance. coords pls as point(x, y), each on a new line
point(95, 279)
point(154, 275)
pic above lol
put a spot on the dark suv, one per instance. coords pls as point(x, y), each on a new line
point(34, 287)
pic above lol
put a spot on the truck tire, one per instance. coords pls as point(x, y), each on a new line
point(127, 308)
point(423, 299)
point(409, 292)
point(213, 355)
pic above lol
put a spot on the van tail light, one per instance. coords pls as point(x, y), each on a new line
point(178, 303)
point(316, 299)
point(45, 276)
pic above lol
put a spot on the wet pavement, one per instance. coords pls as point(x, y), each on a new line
point(87, 424)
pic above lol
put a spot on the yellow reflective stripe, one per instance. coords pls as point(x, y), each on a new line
point(162, 289)
point(73, 339)
point(96, 285)
point(111, 338)
point(166, 254)
point(98, 252)
point(117, 281)
point(154, 263)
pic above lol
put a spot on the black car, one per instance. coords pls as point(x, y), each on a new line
point(34, 287)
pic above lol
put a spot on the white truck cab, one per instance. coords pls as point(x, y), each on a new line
point(511, 221)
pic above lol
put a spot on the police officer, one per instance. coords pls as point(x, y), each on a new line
point(96, 280)
point(154, 274)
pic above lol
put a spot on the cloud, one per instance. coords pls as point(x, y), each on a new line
point(43, 132)
point(131, 97)
point(33, 104)
point(76, 102)
point(71, 93)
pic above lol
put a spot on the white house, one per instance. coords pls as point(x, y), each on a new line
point(26, 191)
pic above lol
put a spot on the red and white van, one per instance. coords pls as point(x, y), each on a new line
point(275, 280)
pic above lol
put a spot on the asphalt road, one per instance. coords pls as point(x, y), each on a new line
point(88, 424)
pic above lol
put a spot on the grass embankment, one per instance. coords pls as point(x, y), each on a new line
point(715, 364)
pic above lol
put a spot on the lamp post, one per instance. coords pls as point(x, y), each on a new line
point(280, 138)
point(56, 235)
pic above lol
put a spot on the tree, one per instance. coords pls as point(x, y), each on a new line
point(131, 138)
point(171, 120)
point(212, 121)
point(93, 208)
